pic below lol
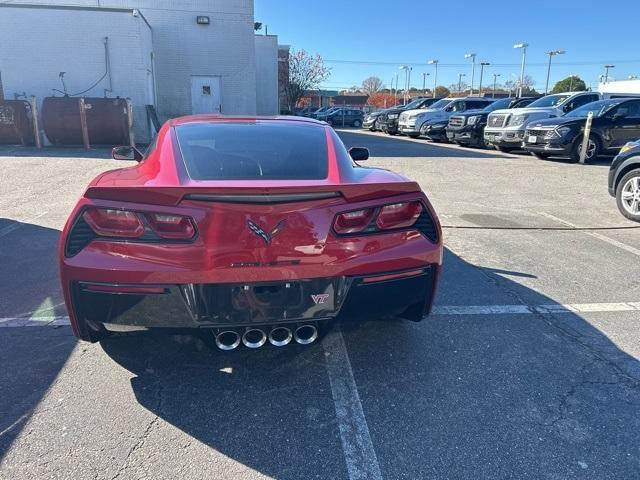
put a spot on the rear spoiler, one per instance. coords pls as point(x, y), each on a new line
point(247, 194)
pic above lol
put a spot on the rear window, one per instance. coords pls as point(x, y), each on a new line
point(253, 151)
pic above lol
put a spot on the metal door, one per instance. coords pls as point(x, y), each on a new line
point(205, 95)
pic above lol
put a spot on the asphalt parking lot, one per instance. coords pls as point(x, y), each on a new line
point(529, 367)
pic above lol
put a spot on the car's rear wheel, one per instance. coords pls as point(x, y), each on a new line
point(413, 135)
point(506, 149)
point(593, 149)
point(628, 195)
point(541, 155)
point(357, 123)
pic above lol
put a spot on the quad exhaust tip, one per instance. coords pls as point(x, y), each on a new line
point(305, 334)
point(227, 340)
point(280, 336)
point(254, 338)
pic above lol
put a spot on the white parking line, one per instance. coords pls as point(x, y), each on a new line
point(359, 454)
point(597, 235)
point(438, 310)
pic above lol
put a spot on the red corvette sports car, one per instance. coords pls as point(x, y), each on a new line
point(254, 230)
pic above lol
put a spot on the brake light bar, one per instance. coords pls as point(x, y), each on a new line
point(376, 219)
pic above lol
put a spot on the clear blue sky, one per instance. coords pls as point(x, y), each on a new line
point(592, 33)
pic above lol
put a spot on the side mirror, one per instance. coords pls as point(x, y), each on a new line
point(359, 154)
point(126, 153)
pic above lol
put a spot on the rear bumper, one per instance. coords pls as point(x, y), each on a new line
point(407, 294)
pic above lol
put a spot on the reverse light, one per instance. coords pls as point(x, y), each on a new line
point(107, 222)
point(398, 215)
point(175, 227)
point(353, 222)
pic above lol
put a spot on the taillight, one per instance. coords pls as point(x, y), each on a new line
point(398, 215)
point(353, 222)
point(175, 227)
point(384, 218)
point(108, 222)
point(144, 227)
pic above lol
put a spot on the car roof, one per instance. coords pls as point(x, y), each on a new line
point(217, 118)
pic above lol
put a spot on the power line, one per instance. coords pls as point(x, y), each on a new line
point(458, 65)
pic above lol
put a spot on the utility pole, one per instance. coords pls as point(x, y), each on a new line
point(482, 65)
point(495, 77)
point(606, 72)
point(551, 54)
point(523, 46)
point(435, 77)
point(472, 56)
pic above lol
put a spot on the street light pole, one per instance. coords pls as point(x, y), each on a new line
point(472, 56)
point(606, 73)
point(435, 77)
point(523, 46)
point(551, 54)
point(482, 65)
point(460, 75)
point(406, 82)
point(495, 77)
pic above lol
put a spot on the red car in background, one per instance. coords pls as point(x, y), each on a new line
point(257, 230)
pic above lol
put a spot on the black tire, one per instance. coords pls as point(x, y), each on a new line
point(391, 133)
point(357, 123)
point(541, 155)
point(592, 152)
point(505, 149)
point(413, 135)
point(624, 205)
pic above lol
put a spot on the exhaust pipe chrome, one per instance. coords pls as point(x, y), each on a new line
point(254, 338)
point(227, 340)
point(305, 334)
point(280, 336)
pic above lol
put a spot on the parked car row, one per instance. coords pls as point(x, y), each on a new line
point(552, 125)
point(338, 116)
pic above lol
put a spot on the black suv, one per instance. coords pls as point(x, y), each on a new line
point(343, 117)
point(615, 122)
point(390, 120)
point(468, 128)
point(624, 180)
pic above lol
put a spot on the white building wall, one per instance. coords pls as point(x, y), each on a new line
point(224, 48)
point(267, 74)
point(36, 44)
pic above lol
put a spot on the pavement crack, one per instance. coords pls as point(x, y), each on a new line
point(159, 394)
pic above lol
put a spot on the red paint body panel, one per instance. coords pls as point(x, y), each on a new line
point(225, 250)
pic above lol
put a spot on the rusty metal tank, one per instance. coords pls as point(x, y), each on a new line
point(107, 120)
point(16, 123)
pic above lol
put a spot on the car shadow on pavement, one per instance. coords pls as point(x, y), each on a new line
point(30, 357)
point(495, 396)
point(395, 146)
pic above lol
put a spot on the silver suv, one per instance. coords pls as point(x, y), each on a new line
point(505, 128)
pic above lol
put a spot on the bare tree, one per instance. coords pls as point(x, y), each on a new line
point(372, 85)
point(305, 73)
